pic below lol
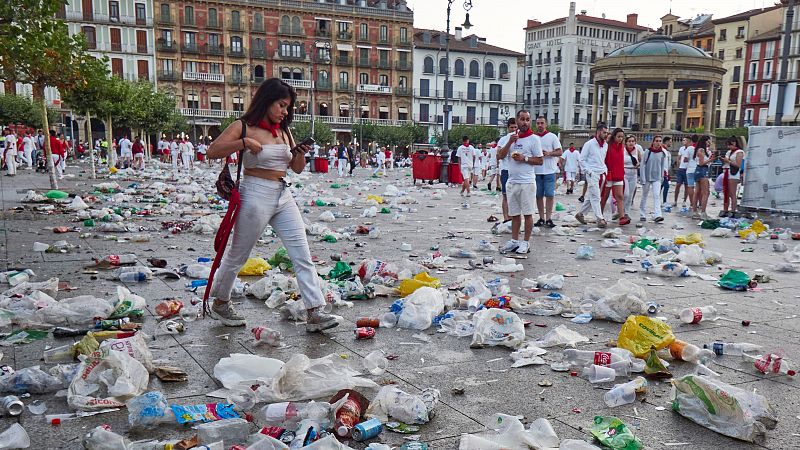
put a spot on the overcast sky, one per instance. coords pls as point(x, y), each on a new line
point(501, 21)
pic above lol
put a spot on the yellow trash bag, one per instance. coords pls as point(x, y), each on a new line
point(409, 285)
point(757, 227)
point(689, 239)
point(640, 333)
point(377, 198)
point(254, 267)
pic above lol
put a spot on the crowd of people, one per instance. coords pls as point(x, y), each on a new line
point(525, 166)
point(347, 158)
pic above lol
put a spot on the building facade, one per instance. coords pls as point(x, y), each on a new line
point(792, 75)
point(761, 65)
point(348, 60)
point(731, 34)
point(559, 55)
point(482, 86)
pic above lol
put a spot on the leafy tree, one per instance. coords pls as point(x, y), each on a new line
point(19, 109)
point(226, 122)
point(476, 133)
point(39, 51)
point(322, 132)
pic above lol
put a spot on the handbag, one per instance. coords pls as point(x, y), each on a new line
point(225, 184)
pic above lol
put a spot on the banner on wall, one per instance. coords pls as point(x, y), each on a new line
point(772, 169)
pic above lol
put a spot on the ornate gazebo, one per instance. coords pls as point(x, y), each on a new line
point(656, 63)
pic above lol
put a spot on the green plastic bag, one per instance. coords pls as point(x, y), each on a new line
point(613, 433)
point(734, 280)
point(710, 224)
point(335, 186)
point(319, 203)
point(385, 210)
point(643, 244)
point(560, 207)
point(329, 238)
point(281, 259)
point(56, 195)
point(341, 271)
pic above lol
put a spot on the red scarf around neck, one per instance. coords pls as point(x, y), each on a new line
point(600, 141)
point(657, 150)
point(272, 128)
point(524, 134)
point(541, 134)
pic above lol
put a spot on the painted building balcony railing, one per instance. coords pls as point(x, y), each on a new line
point(403, 91)
point(323, 33)
point(237, 52)
point(301, 84)
point(403, 65)
point(235, 26)
point(374, 89)
point(202, 76)
point(209, 113)
point(363, 38)
point(402, 42)
point(213, 49)
point(344, 35)
point(558, 59)
point(384, 64)
point(289, 31)
point(164, 20)
point(257, 27)
point(323, 85)
point(539, 62)
point(258, 53)
point(190, 47)
point(214, 22)
point(347, 87)
point(365, 63)
point(349, 120)
point(581, 59)
point(93, 16)
point(546, 61)
point(344, 61)
point(167, 75)
point(291, 56)
point(188, 22)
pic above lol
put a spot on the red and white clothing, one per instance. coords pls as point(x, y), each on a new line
point(571, 160)
point(615, 164)
point(593, 164)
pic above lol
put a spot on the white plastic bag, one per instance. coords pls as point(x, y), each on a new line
point(77, 204)
point(528, 355)
point(106, 379)
point(720, 232)
point(497, 327)
point(370, 212)
point(508, 433)
point(692, 255)
point(560, 335)
point(327, 216)
point(135, 347)
point(550, 281)
point(616, 303)
point(242, 370)
point(420, 308)
point(402, 406)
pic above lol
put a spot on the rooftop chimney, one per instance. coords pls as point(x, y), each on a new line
point(458, 33)
point(633, 19)
point(533, 23)
point(583, 12)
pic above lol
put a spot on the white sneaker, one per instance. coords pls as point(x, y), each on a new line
point(510, 246)
point(524, 248)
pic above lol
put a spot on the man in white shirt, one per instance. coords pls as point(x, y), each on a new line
point(546, 173)
point(466, 160)
point(571, 158)
point(593, 165)
point(477, 171)
point(523, 151)
point(11, 152)
point(174, 151)
point(125, 151)
point(380, 159)
point(28, 146)
point(680, 175)
point(202, 149)
point(187, 155)
point(491, 166)
point(503, 165)
point(163, 150)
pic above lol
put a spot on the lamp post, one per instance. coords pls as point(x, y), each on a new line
point(782, 76)
point(446, 107)
point(312, 55)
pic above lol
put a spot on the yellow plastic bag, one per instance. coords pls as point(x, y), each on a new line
point(688, 239)
point(409, 285)
point(640, 333)
point(377, 198)
point(757, 227)
point(254, 267)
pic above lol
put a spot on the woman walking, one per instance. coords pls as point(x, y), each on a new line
point(732, 172)
point(268, 151)
point(615, 180)
point(704, 158)
point(654, 169)
point(633, 158)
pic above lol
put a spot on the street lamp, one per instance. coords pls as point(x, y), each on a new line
point(327, 58)
point(446, 107)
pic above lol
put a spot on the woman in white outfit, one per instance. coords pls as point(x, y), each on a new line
point(269, 150)
point(633, 158)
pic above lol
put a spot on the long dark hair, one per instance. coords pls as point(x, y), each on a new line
point(269, 92)
point(703, 142)
point(614, 135)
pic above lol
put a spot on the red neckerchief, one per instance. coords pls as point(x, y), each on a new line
point(541, 134)
point(631, 151)
point(272, 128)
point(572, 149)
point(465, 143)
point(525, 134)
point(658, 150)
point(600, 141)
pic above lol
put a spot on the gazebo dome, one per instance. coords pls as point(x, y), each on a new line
point(658, 45)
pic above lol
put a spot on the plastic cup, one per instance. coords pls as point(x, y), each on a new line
point(622, 368)
point(599, 374)
point(621, 394)
point(376, 363)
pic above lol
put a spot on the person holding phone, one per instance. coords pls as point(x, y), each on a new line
point(268, 151)
point(732, 168)
point(704, 158)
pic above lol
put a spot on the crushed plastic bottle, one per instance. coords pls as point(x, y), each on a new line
point(684, 351)
point(264, 335)
point(584, 252)
point(770, 363)
point(732, 348)
point(133, 277)
point(625, 393)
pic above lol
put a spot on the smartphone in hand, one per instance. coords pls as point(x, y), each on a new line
point(309, 141)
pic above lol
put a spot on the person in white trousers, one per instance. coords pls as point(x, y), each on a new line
point(341, 154)
point(11, 152)
point(269, 150)
point(28, 145)
point(593, 165)
point(654, 168)
point(633, 158)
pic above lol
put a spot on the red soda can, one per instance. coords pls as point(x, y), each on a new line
point(365, 333)
point(368, 322)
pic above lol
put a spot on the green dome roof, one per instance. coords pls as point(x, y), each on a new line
point(658, 45)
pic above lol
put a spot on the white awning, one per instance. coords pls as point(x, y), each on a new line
point(216, 98)
point(402, 50)
point(323, 44)
point(238, 100)
point(364, 108)
point(364, 46)
point(402, 110)
point(384, 48)
point(344, 47)
point(344, 106)
point(383, 109)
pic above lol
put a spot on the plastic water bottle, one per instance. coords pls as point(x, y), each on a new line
point(586, 357)
point(194, 284)
point(684, 351)
point(732, 348)
point(19, 277)
point(133, 277)
point(264, 335)
point(699, 314)
point(770, 363)
point(622, 394)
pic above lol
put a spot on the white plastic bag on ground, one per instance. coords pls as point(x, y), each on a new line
point(370, 212)
point(395, 403)
point(302, 378)
point(240, 370)
point(497, 327)
point(528, 355)
point(106, 379)
point(560, 335)
point(420, 308)
point(723, 408)
point(550, 281)
point(692, 255)
point(327, 216)
point(720, 232)
point(617, 302)
point(135, 347)
point(508, 433)
point(77, 204)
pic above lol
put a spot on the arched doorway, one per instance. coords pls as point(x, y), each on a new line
point(323, 109)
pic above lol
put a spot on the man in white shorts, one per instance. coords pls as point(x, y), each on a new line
point(523, 151)
point(466, 158)
point(125, 151)
point(571, 158)
point(491, 166)
point(380, 159)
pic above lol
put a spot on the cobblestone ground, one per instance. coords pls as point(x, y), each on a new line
point(490, 385)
